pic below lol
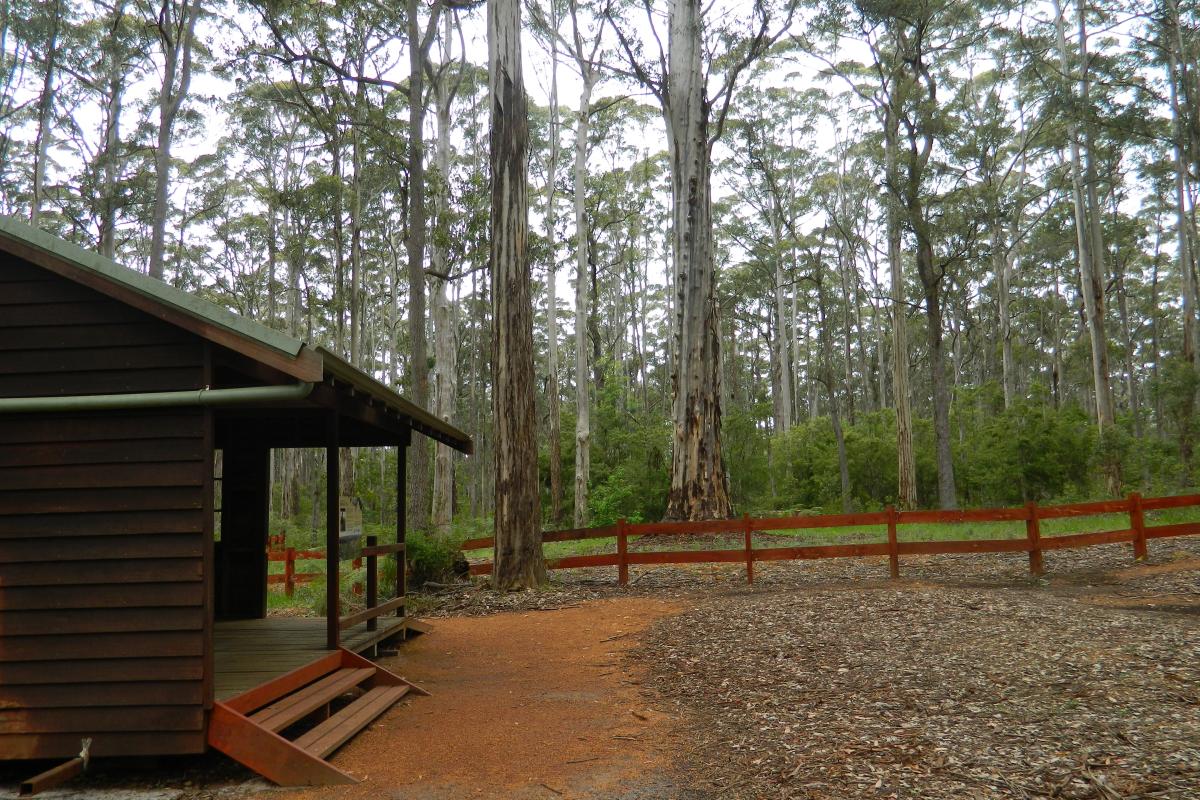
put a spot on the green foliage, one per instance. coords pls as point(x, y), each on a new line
point(631, 455)
point(1030, 451)
point(430, 558)
point(1003, 457)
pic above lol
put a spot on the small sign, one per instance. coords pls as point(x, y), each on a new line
point(350, 528)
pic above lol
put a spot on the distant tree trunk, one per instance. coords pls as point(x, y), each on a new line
point(41, 146)
point(1184, 222)
point(176, 33)
point(931, 282)
point(339, 238)
point(445, 375)
point(518, 561)
point(781, 352)
point(1091, 274)
point(1001, 265)
point(356, 221)
point(115, 84)
point(552, 387)
point(583, 419)
point(1004, 259)
point(906, 493)
point(419, 505)
point(699, 484)
point(830, 384)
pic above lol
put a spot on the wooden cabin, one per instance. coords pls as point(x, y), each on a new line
point(123, 618)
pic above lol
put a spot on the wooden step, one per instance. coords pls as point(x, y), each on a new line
point(280, 687)
point(335, 731)
point(299, 705)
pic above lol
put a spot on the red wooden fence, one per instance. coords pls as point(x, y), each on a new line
point(1137, 534)
point(289, 556)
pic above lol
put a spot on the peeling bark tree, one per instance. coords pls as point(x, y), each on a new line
point(699, 485)
point(518, 549)
point(694, 121)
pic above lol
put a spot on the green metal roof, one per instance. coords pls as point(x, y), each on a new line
point(156, 290)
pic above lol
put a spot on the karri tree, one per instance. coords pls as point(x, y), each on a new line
point(518, 555)
point(701, 53)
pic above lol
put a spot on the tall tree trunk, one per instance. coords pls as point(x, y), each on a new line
point(931, 282)
point(552, 388)
point(583, 419)
point(339, 238)
point(1090, 274)
point(41, 145)
point(518, 561)
point(830, 384)
point(356, 222)
point(445, 374)
point(699, 485)
point(906, 490)
point(1002, 266)
point(1184, 223)
point(783, 406)
point(111, 131)
point(176, 28)
point(419, 505)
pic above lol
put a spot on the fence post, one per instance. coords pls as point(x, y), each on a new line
point(893, 544)
point(1137, 521)
point(289, 572)
point(372, 582)
point(622, 552)
point(1033, 531)
point(749, 550)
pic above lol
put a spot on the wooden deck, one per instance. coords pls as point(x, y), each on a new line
point(249, 653)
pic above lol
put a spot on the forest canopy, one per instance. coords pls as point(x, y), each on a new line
point(785, 255)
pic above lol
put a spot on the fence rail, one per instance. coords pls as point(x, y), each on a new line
point(290, 578)
point(1034, 543)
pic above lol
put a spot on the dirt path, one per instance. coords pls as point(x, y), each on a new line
point(523, 705)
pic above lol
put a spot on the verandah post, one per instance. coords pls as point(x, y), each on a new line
point(333, 496)
point(372, 582)
point(622, 552)
point(1033, 531)
point(893, 544)
point(401, 521)
point(749, 549)
point(1137, 521)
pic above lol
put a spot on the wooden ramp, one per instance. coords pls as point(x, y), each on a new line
point(284, 729)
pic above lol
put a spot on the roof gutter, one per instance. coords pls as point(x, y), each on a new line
point(248, 395)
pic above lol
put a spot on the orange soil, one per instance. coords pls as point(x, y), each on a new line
point(523, 705)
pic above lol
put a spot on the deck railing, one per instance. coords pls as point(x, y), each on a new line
point(374, 609)
point(290, 578)
point(1033, 543)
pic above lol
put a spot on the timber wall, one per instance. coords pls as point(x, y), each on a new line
point(105, 530)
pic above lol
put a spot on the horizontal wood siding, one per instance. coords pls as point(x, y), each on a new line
point(102, 529)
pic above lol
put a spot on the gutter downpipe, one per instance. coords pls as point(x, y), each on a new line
point(194, 397)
